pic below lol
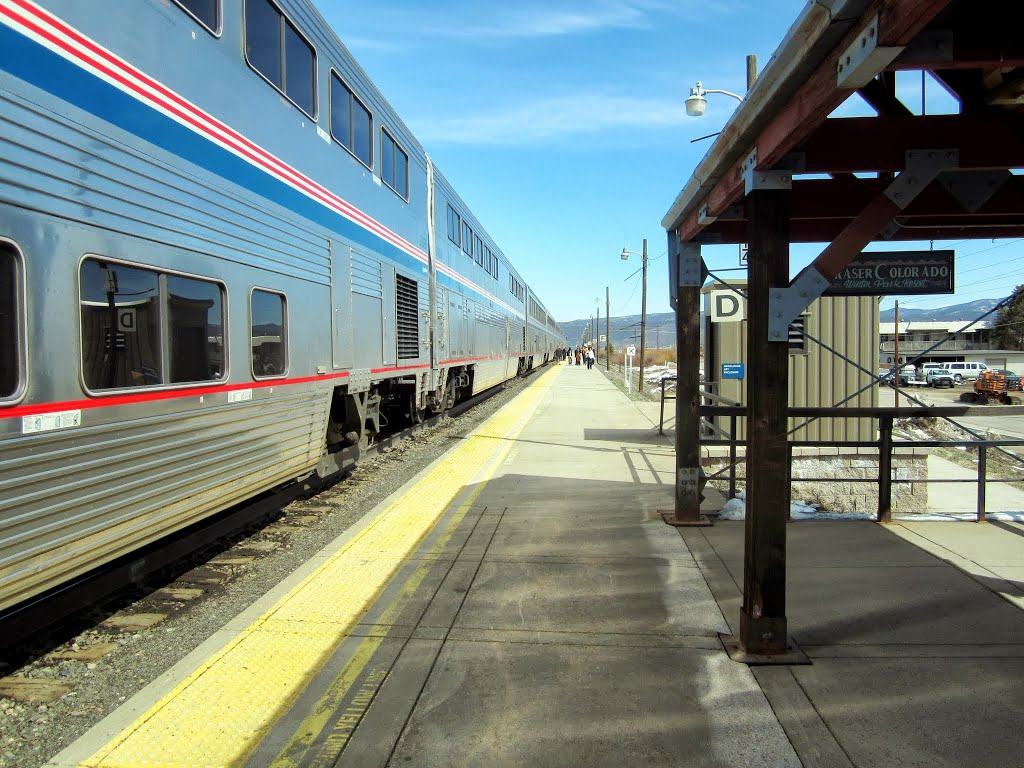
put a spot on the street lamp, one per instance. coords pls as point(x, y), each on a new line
point(696, 103)
point(643, 307)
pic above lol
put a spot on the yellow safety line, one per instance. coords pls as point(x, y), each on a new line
point(217, 715)
point(326, 706)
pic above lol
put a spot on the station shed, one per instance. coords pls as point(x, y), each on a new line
point(784, 170)
point(819, 373)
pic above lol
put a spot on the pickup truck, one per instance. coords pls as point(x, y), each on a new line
point(939, 377)
point(909, 377)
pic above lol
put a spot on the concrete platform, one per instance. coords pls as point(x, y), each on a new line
point(549, 618)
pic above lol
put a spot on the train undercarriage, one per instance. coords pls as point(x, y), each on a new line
point(360, 418)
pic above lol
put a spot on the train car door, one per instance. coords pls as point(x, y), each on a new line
point(389, 317)
point(341, 306)
point(367, 276)
point(510, 366)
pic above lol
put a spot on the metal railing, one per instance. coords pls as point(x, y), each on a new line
point(885, 445)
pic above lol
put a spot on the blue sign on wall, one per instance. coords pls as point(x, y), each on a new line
point(732, 370)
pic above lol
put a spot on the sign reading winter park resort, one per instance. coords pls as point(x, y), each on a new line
point(887, 273)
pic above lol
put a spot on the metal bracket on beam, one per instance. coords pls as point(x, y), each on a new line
point(703, 219)
point(865, 58)
point(922, 166)
point(690, 482)
point(786, 304)
point(972, 189)
point(755, 180)
point(692, 270)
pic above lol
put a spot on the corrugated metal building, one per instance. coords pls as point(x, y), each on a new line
point(818, 376)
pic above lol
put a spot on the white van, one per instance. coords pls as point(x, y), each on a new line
point(965, 371)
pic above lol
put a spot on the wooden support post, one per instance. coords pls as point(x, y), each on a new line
point(763, 615)
point(689, 478)
point(885, 468)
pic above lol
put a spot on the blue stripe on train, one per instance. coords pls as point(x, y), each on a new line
point(35, 64)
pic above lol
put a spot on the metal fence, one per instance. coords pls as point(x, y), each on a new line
point(885, 445)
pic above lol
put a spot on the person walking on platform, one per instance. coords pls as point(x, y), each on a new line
point(590, 359)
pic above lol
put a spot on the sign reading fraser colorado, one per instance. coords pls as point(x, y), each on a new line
point(887, 273)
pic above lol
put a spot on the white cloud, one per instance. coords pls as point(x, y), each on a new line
point(552, 118)
point(552, 20)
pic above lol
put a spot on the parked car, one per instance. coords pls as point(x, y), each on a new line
point(887, 378)
point(965, 371)
point(1012, 380)
point(939, 377)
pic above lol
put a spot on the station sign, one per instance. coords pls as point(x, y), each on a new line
point(725, 307)
point(732, 370)
point(895, 273)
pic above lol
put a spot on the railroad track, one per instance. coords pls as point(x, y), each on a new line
point(180, 566)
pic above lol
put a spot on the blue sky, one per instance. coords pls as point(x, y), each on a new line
point(561, 124)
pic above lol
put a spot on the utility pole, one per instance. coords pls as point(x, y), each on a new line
point(597, 332)
point(643, 320)
point(607, 330)
point(896, 357)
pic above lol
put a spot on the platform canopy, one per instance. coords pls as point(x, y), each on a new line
point(836, 48)
point(782, 171)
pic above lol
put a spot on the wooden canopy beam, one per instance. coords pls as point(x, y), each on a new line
point(899, 22)
point(871, 144)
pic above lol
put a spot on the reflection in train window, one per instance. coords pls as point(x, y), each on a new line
point(350, 121)
point(196, 314)
point(275, 49)
point(120, 326)
point(144, 328)
point(269, 339)
point(10, 332)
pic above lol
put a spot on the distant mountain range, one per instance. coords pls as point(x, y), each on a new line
point(972, 310)
point(661, 330)
point(661, 326)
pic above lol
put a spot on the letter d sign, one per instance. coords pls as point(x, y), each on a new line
point(725, 307)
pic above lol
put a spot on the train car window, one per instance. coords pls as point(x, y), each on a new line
point(351, 122)
point(121, 320)
point(467, 239)
point(394, 164)
point(454, 225)
point(10, 323)
point(299, 70)
point(274, 48)
point(268, 334)
point(206, 12)
point(263, 39)
point(195, 310)
point(478, 250)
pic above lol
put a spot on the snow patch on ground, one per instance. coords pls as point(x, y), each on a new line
point(736, 509)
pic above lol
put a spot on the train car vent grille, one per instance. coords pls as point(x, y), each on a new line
point(407, 314)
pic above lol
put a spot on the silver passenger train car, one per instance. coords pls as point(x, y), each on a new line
point(223, 257)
